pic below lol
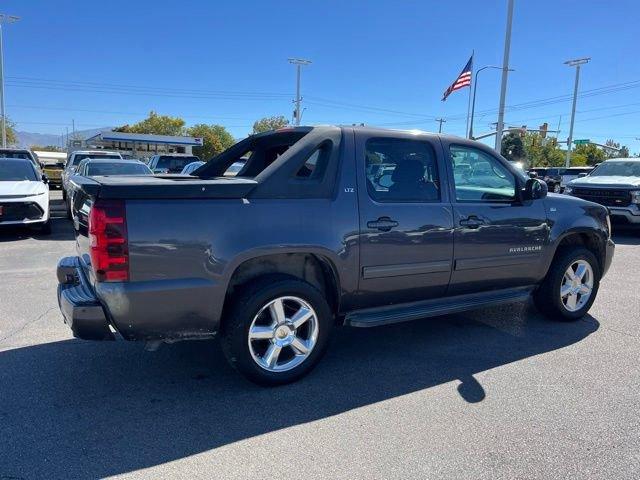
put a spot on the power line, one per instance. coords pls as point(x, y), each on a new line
point(146, 88)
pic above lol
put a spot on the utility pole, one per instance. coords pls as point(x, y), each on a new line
point(573, 63)
point(4, 18)
point(505, 75)
point(299, 63)
point(441, 121)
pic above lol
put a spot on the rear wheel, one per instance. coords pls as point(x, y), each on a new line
point(571, 285)
point(276, 330)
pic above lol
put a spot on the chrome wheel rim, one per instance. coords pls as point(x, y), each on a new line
point(577, 285)
point(556, 188)
point(283, 334)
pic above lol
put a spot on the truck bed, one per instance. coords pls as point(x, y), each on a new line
point(166, 186)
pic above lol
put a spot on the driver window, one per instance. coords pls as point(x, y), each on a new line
point(400, 170)
point(479, 177)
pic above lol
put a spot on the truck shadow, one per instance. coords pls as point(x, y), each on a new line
point(626, 235)
point(73, 409)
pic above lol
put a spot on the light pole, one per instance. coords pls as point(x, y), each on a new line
point(4, 18)
point(298, 62)
point(473, 102)
point(505, 76)
point(573, 63)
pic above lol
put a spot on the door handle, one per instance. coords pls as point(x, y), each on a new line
point(383, 224)
point(471, 222)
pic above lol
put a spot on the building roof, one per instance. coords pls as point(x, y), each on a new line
point(110, 136)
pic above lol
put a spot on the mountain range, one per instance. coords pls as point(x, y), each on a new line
point(26, 139)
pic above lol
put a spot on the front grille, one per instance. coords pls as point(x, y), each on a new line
point(18, 211)
point(606, 197)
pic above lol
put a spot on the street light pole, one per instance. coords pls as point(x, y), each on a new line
point(473, 102)
point(4, 18)
point(298, 62)
point(505, 75)
point(573, 63)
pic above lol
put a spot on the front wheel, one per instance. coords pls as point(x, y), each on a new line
point(557, 188)
point(571, 285)
point(276, 330)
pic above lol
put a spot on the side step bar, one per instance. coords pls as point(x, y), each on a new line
point(373, 317)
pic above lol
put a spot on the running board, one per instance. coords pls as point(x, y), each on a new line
point(373, 317)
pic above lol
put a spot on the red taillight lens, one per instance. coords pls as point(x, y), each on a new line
point(108, 241)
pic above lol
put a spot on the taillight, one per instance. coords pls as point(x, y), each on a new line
point(108, 245)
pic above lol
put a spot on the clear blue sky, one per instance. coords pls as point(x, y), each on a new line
point(378, 62)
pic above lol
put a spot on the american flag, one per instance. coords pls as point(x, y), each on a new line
point(463, 80)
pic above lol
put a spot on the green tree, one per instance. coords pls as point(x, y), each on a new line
point(591, 153)
point(622, 152)
point(512, 147)
point(156, 124)
point(12, 138)
point(46, 148)
point(215, 139)
point(270, 123)
point(542, 152)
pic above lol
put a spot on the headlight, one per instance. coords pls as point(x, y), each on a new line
point(635, 196)
point(568, 189)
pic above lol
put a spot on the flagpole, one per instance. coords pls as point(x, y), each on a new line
point(467, 132)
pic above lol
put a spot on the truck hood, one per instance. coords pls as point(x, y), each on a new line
point(606, 181)
point(21, 188)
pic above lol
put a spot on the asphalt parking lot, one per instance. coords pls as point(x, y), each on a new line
point(497, 393)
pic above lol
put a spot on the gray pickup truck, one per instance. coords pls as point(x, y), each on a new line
point(323, 226)
point(615, 184)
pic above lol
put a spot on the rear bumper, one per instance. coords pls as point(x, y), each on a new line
point(80, 307)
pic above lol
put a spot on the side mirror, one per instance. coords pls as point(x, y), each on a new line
point(45, 179)
point(534, 189)
point(582, 174)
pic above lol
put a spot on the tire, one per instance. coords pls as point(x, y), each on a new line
point(64, 194)
point(557, 188)
point(250, 307)
point(549, 299)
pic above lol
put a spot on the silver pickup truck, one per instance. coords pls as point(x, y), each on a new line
point(614, 184)
point(309, 234)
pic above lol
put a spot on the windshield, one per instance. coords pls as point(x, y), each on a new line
point(117, 168)
point(618, 169)
point(175, 164)
point(16, 172)
point(81, 156)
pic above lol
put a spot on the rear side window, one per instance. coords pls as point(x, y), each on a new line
point(315, 165)
point(401, 170)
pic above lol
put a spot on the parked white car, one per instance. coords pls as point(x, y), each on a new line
point(24, 195)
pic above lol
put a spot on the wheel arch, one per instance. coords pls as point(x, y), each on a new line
point(314, 268)
point(590, 239)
